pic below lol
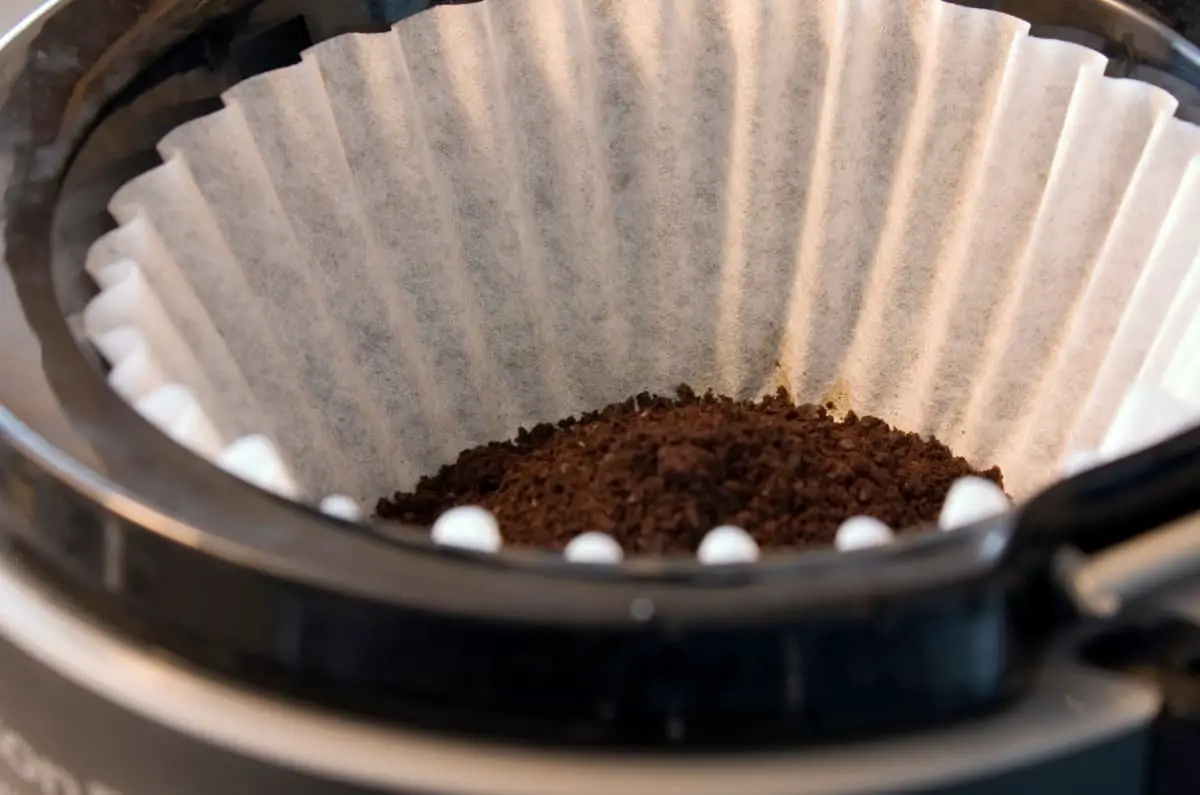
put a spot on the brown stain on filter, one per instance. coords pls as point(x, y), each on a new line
point(837, 398)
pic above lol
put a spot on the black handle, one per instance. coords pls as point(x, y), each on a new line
point(1116, 502)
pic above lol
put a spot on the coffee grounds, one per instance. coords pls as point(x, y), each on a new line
point(657, 474)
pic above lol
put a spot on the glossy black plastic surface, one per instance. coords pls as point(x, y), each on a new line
point(848, 664)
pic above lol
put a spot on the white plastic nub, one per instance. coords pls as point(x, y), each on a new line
point(862, 532)
point(468, 527)
point(255, 460)
point(971, 500)
point(725, 545)
point(341, 507)
point(598, 548)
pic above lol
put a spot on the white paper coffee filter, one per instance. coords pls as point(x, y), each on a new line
point(498, 214)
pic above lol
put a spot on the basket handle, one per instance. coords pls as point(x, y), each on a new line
point(1122, 530)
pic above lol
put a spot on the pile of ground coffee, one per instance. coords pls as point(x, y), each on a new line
point(658, 473)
